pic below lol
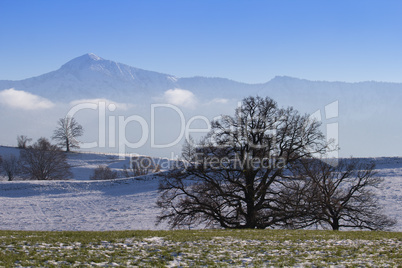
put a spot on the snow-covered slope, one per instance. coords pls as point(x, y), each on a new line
point(121, 204)
point(80, 204)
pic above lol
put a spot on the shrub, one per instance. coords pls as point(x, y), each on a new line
point(44, 161)
point(104, 173)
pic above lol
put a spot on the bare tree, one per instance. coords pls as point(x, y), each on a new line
point(11, 166)
point(103, 172)
point(232, 177)
point(44, 161)
point(22, 141)
point(338, 196)
point(67, 131)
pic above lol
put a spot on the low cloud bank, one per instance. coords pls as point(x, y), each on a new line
point(19, 99)
point(180, 97)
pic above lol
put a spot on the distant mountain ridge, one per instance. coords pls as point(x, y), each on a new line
point(90, 76)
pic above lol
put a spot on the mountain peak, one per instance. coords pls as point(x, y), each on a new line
point(93, 56)
point(83, 61)
point(88, 57)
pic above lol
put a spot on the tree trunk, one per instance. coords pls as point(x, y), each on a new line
point(251, 221)
point(251, 217)
point(335, 224)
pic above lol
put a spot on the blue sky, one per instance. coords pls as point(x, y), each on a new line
point(248, 41)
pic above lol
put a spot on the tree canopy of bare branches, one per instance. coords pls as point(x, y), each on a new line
point(44, 161)
point(22, 141)
point(232, 177)
point(11, 166)
point(337, 196)
point(67, 131)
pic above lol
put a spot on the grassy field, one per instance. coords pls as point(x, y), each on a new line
point(200, 248)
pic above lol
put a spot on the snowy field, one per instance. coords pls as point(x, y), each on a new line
point(123, 204)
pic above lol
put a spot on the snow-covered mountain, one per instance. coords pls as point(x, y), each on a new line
point(90, 76)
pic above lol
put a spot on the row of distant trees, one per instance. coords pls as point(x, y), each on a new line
point(265, 167)
point(43, 160)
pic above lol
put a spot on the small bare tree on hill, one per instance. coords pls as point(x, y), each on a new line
point(22, 141)
point(11, 166)
point(66, 133)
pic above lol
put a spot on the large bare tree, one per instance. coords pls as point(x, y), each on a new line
point(336, 195)
point(232, 177)
point(44, 161)
point(67, 131)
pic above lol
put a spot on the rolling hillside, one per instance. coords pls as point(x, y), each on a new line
point(122, 204)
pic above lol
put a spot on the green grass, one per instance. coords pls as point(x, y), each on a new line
point(200, 248)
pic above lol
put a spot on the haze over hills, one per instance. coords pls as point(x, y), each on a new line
point(366, 113)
